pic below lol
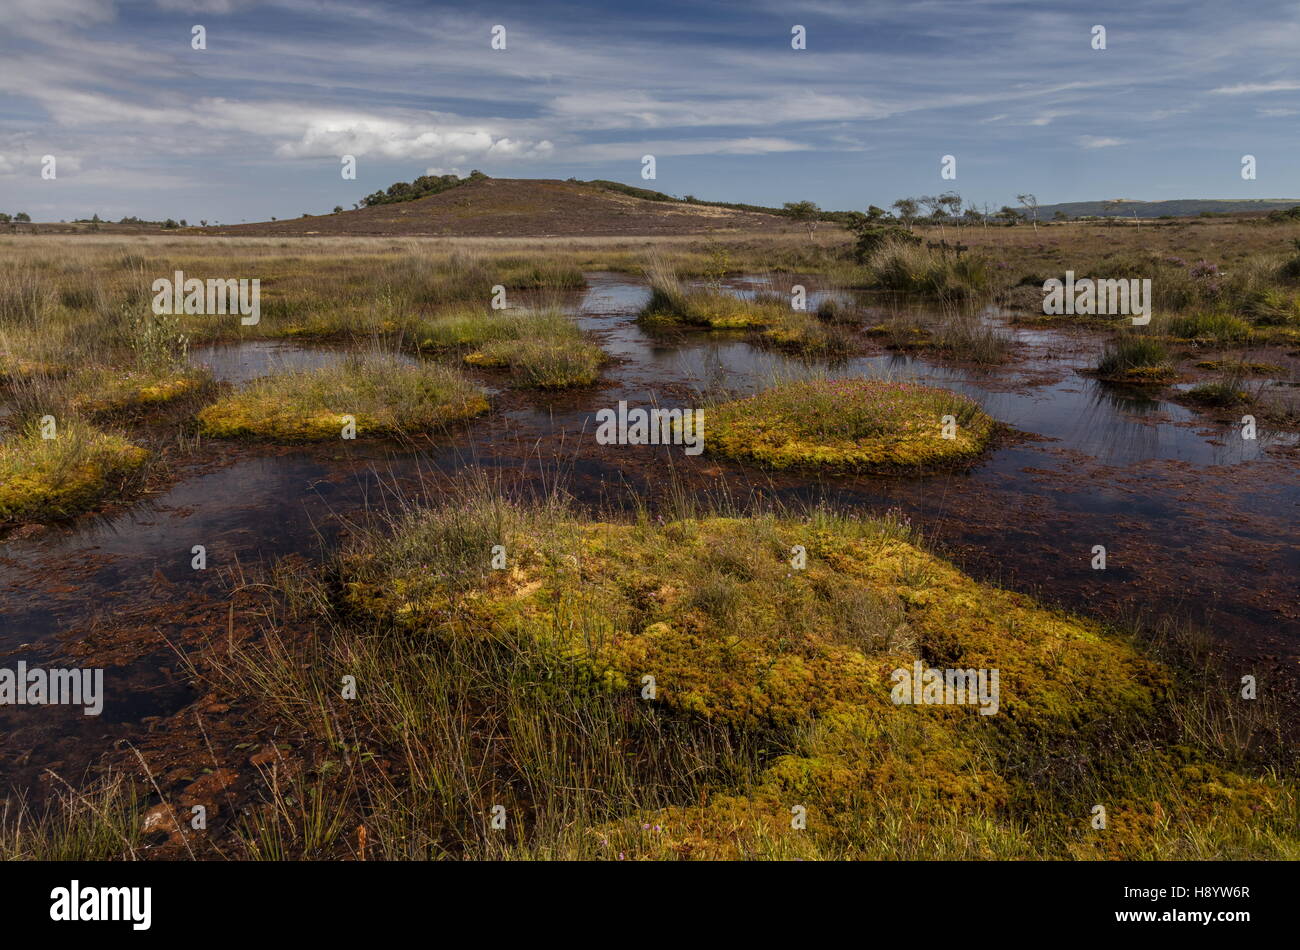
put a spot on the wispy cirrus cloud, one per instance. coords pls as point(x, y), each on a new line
point(1253, 88)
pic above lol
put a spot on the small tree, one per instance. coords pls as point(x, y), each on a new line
point(1031, 205)
point(931, 205)
point(950, 203)
point(937, 206)
point(906, 208)
point(338, 208)
point(805, 212)
point(23, 216)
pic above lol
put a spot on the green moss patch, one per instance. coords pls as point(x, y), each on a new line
point(43, 479)
point(104, 393)
point(802, 332)
point(849, 425)
point(1211, 328)
point(543, 363)
point(471, 328)
point(1136, 360)
point(802, 660)
point(710, 309)
point(384, 396)
point(1219, 394)
point(1242, 368)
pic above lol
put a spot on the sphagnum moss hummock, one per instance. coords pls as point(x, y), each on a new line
point(736, 637)
point(107, 392)
point(80, 466)
point(850, 425)
point(383, 396)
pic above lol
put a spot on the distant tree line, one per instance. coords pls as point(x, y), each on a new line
point(799, 210)
point(22, 216)
point(422, 187)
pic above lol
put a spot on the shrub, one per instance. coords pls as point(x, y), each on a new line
point(871, 238)
point(906, 267)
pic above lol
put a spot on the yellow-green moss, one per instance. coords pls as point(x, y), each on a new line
point(54, 478)
point(849, 425)
point(734, 633)
point(542, 363)
point(1143, 375)
point(803, 332)
point(106, 393)
point(1242, 367)
point(384, 397)
point(16, 369)
point(710, 308)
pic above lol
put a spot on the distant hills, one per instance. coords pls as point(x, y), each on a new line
point(1178, 208)
point(477, 205)
point(480, 206)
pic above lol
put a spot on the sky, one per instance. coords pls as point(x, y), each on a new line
point(255, 125)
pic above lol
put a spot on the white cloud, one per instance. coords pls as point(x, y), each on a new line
point(1246, 88)
point(618, 151)
point(1098, 141)
point(1047, 118)
point(58, 11)
point(604, 109)
point(396, 139)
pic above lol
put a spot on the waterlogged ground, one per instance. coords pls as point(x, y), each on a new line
point(1198, 524)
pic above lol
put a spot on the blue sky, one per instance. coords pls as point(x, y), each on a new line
point(255, 125)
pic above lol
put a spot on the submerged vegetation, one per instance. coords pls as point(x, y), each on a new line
point(850, 425)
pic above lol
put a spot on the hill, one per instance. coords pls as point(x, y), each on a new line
point(1179, 208)
point(516, 207)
